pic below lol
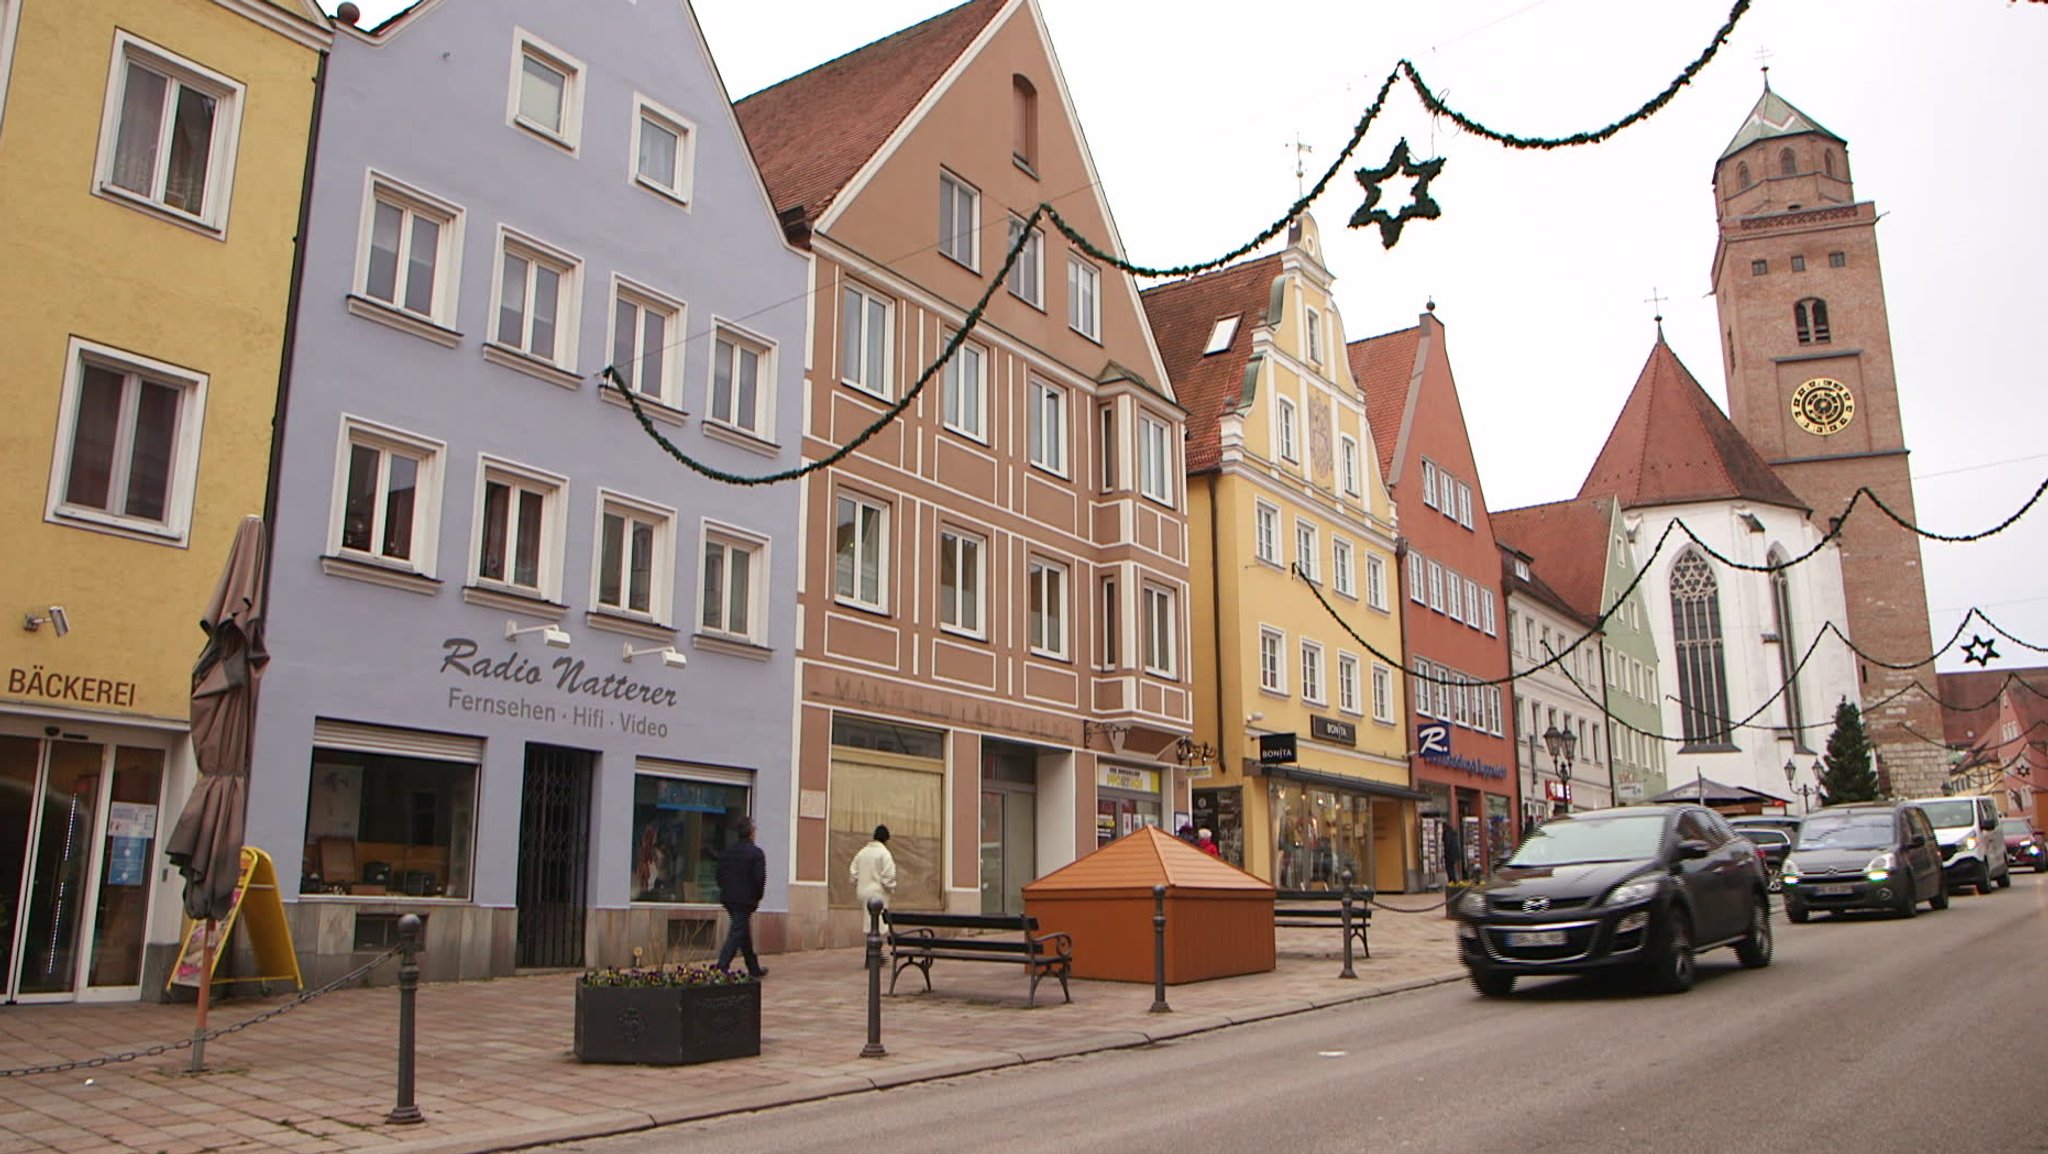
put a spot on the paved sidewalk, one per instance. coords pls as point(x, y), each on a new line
point(496, 1072)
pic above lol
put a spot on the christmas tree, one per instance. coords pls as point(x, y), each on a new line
point(1849, 775)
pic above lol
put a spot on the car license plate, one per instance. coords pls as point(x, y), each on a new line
point(1834, 890)
point(1536, 938)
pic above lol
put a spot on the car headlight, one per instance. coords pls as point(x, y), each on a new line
point(1788, 870)
point(1641, 889)
point(1473, 904)
point(1880, 867)
point(1969, 841)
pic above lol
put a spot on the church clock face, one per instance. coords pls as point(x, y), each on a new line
point(1823, 406)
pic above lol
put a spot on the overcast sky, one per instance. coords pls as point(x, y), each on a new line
point(1542, 261)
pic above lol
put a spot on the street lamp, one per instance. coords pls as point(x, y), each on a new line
point(1804, 790)
point(1561, 743)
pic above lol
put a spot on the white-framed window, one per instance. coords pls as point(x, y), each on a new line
point(536, 300)
point(1112, 623)
point(632, 570)
point(1461, 701)
point(960, 582)
point(1343, 567)
point(664, 149)
point(1155, 459)
point(410, 251)
point(1347, 683)
point(169, 133)
point(966, 391)
point(1220, 336)
point(518, 539)
point(1266, 532)
point(1382, 693)
point(1162, 631)
point(1106, 445)
point(1429, 482)
point(1436, 587)
point(128, 443)
point(1486, 611)
point(387, 496)
point(959, 220)
point(860, 551)
point(1376, 581)
point(1312, 673)
point(1347, 465)
point(1493, 710)
point(1447, 494)
point(1312, 330)
point(864, 340)
point(1026, 281)
point(644, 324)
point(546, 96)
point(1286, 429)
point(1307, 553)
point(1471, 603)
point(1272, 661)
point(742, 376)
point(1045, 593)
point(1046, 426)
point(1084, 297)
point(1418, 590)
point(1464, 504)
point(1454, 607)
point(735, 566)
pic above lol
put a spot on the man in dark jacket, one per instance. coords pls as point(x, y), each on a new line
point(742, 879)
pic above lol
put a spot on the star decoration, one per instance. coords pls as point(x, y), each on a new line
point(1979, 650)
point(1419, 207)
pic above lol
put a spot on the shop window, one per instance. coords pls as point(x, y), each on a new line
point(680, 826)
point(903, 793)
point(388, 824)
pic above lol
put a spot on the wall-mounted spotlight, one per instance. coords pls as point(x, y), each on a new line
point(56, 618)
point(554, 636)
point(670, 655)
point(1254, 718)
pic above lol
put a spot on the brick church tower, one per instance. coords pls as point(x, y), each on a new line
point(1811, 384)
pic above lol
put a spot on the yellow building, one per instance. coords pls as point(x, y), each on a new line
point(1289, 519)
point(152, 160)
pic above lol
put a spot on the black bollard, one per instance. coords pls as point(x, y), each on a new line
point(1347, 972)
point(874, 1047)
point(1159, 1005)
point(407, 1112)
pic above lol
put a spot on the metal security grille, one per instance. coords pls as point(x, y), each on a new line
point(554, 856)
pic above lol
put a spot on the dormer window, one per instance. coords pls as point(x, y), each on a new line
point(1810, 319)
point(1221, 336)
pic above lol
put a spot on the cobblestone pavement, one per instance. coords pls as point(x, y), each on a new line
point(496, 1071)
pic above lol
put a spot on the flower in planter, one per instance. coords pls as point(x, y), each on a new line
point(658, 977)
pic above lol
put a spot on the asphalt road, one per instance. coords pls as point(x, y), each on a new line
point(1865, 1034)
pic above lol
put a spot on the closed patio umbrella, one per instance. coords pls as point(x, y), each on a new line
point(206, 845)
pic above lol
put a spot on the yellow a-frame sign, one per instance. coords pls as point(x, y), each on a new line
point(259, 908)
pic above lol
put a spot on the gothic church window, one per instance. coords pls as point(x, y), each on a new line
point(1742, 175)
point(1788, 164)
point(1810, 319)
point(1827, 162)
point(1696, 640)
point(1788, 659)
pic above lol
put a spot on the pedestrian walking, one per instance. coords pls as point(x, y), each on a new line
point(1206, 842)
point(874, 870)
point(742, 880)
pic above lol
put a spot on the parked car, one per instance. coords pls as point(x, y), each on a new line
point(1772, 842)
point(2024, 845)
point(1638, 890)
point(1972, 848)
point(1878, 855)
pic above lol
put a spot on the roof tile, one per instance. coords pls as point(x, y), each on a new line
point(1567, 545)
point(1383, 366)
point(1183, 314)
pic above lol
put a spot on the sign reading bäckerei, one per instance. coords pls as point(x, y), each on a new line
point(480, 673)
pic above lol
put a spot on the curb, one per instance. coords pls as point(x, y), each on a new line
point(818, 1089)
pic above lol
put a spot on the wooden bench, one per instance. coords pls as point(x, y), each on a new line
point(1324, 909)
point(919, 939)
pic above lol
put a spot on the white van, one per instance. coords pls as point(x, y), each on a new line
point(1972, 848)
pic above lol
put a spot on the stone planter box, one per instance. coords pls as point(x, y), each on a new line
point(668, 1025)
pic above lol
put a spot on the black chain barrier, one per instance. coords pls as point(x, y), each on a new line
point(187, 1043)
point(1435, 905)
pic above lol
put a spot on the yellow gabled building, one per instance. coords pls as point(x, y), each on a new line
point(1282, 475)
point(153, 155)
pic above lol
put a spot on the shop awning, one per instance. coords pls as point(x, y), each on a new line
point(1336, 781)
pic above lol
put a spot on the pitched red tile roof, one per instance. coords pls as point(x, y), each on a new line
point(1383, 366)
point(1960, 725)
point(1183, 314)
point(811, 133)
point(1567, 545)
point(1672, 445)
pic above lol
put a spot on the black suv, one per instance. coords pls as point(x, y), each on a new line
point(1639, 890)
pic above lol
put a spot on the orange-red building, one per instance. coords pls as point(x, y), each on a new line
point(1461, 705)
